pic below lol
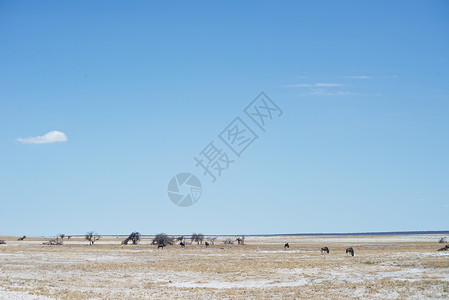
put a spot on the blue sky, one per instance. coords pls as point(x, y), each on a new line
point(139, 88)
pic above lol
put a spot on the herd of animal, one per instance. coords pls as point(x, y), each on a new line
point(324, 250)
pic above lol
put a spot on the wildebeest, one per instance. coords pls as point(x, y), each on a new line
point(182, 244)
point(350, 251)
point(161, 246)
point(446, 248)
point(324, 249)
point(286, 246)
point(207, 244)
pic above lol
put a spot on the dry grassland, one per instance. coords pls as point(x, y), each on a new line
point(389, 267)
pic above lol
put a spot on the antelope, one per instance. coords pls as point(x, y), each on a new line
point(161, 246)
point(350, 251)
point(324, 250)
point(286, 246)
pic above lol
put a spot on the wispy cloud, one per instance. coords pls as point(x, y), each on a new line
point(359, 77)
point(319, 84)
point(48, 138)
point(325, 92)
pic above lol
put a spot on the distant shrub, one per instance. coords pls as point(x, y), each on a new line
point(2, 242)
point(197, 237)
point(162, 239)
point(92, 237)
point(442, 240)
point(53, 242)
point(228, 242)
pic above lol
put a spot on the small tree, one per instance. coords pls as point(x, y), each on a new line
point(241, 240)
point(442, 240)
point(162, 239)
point(92, 237)
point(134, 237)
point(61, 236)
point(197, 237)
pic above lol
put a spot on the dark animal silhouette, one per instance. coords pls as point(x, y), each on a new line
point(324, 249)
point(286, 246)
point(350, 251)
point(207, 244)
point(161, 246)
point(182, 244)
point(444, 248)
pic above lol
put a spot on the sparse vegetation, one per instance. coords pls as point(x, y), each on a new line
point(22, 238)
point(92, 237)
point(396, 270)
point(2, 242)
point(442, 240)
point(241, 240)
point(53, 242)
point(162, 239)
point(134, 237)
point(228, 241)
point(197, 237)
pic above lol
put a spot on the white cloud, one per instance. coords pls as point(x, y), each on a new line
point(319, 84)
point(359, 77)
point(50, 137)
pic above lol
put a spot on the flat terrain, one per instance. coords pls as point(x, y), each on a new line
point(384, 267)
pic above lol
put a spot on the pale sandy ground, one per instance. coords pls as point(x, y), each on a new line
point(388, 267)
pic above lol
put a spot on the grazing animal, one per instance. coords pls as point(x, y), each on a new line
point(207, 244)
point(444, 248)
point(286, 246)
point(325, 249)
point(350, 251)
point(161, 246)
point(182, 244)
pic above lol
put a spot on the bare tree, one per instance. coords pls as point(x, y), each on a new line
point(197, 237)
point(134, 237)
point(92, 237)
point(162, 239)
point(241, 240)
